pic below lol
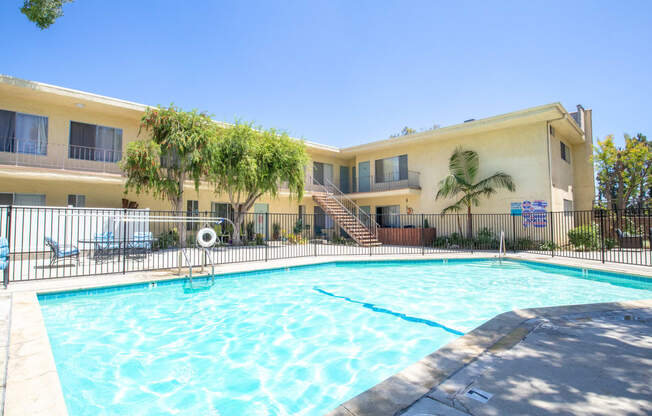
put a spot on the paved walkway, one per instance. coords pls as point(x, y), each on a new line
point(587, 364)
point(5, 308)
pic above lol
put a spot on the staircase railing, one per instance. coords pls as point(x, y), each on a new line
point(334, 193)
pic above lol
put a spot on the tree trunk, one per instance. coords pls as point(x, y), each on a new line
point(181, 228)
point(469, 223)
point(181, 224)
point(238, 219)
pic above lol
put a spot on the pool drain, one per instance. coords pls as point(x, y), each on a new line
point(479, 395)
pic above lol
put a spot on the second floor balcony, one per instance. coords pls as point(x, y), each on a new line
point(32, 153)
point(388, 182)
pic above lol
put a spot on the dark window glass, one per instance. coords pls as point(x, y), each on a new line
point(192, 211)
point(77, 201)
point(391, 169)
point(565, 152)
point(96, 143)
point(23, 133)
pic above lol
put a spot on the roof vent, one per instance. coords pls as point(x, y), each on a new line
point(469, 120)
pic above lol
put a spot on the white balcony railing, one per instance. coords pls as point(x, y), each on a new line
point(59, 156)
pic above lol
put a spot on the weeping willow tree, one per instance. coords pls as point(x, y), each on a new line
point(247, 163)
point(175, 151)
point(463, 185)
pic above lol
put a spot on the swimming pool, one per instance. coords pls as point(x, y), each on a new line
point(289, 341)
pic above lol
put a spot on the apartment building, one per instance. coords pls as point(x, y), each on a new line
point(60, 147)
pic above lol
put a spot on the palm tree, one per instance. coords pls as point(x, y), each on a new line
point(463, 167)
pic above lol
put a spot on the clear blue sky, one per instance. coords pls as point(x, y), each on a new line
point(347, 72)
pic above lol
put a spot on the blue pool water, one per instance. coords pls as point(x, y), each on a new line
point(287, 342)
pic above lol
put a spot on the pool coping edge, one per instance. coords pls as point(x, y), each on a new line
point(33, 386)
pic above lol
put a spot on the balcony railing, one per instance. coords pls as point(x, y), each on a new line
point(387, 183)
point(59, 156)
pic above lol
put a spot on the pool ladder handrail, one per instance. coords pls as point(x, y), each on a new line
point(206, 256)
point(502, 250)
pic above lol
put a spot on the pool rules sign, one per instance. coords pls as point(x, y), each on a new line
point(534, 213)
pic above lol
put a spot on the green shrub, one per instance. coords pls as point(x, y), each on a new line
point(486, 239)
point(260, 240)
point(610, 243)
point(338, 239)
point(276, 231)
point(585, 237)
point(298, 226)
point(548, 246)
point(167, 239)
point(251, 234)
point(523, 243)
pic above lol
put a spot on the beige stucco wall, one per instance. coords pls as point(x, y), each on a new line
point(519, 151)
point(583, 171)
point(562, 173)
point(60, 116)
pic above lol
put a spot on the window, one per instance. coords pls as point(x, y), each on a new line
point(77, 201)
point(391, 169)
point(565, 152)
point(388, 216)
point(98, 143)
point(302, 211)
point(568, 207)
point(222, 210)
point(192, 211)
point(322, 172)
point(37, 200)
point(23, 133)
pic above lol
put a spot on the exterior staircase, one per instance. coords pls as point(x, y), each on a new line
point(346, 214)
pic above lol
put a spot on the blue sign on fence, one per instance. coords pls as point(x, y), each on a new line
point(535, 214)
point(515, 209)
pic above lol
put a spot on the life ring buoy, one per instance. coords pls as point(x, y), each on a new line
point(212, 237)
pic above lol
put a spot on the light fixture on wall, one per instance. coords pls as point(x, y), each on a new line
point(80, 105)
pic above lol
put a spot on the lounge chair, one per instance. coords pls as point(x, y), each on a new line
point(4, 253)
point(105, 245)
point(61, 252)
point(140, 243)
point(625, 240)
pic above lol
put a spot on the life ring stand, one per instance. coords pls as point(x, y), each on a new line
point(212, 237)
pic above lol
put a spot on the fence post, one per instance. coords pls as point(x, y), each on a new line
point(423, 235)
point(124, 241)
point(314, 232)
point(552, 234)
point(601, 236)
point(266, 233)
point(5, 277)
point(513, 234)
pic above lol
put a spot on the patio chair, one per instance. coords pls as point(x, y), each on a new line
point(105, 245)
point(4, 253)
point(140, 243)
point(61, 252)
point(625, 240)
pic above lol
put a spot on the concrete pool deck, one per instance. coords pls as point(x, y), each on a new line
point(32, 382)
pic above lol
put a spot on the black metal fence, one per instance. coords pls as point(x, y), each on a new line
point(47, 242)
